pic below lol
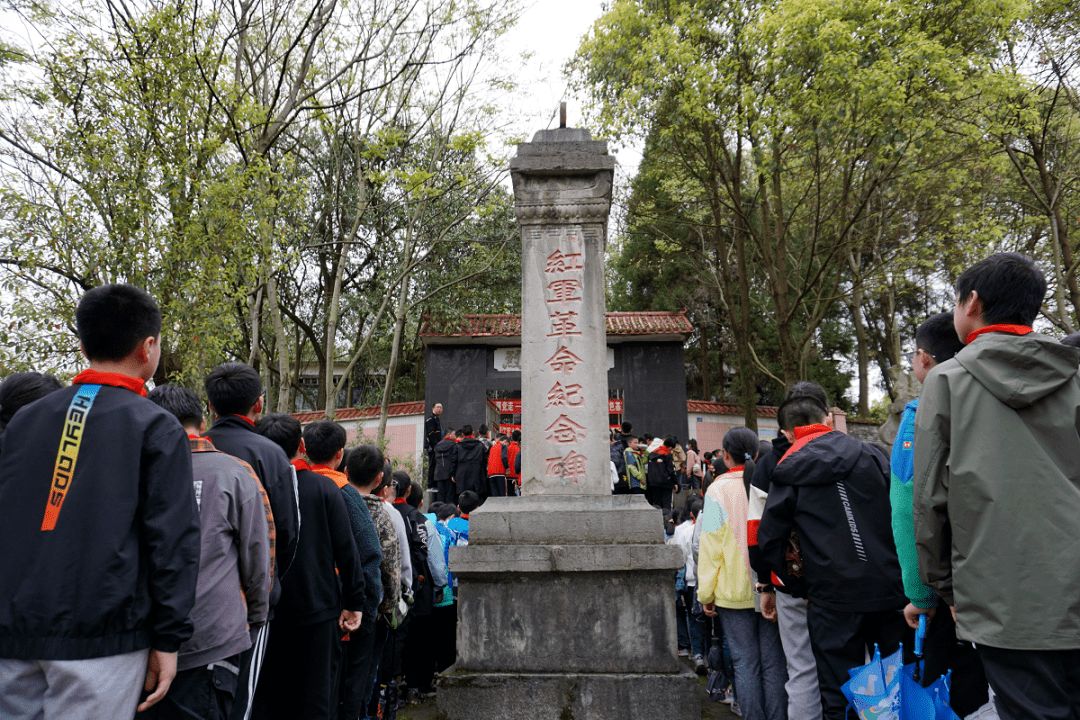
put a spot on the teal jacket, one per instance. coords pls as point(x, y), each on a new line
point(902, 499)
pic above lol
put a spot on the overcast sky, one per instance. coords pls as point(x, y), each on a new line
point(552, 30)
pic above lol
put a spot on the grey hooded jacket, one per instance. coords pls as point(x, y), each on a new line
point(997, 490)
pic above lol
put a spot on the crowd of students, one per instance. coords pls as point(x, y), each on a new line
point(249, 569)
point(255, 568)
point(804, 556)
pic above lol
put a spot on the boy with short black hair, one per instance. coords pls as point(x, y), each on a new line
point(315, 609)
point(100, 529)
point(366, 471)
point(235, 570)
point(324, 445)
point(235, 394)
point(833, 490)
point(997, 490)
point(935, 342)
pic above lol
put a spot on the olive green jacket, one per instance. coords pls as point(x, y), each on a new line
point(997, 490)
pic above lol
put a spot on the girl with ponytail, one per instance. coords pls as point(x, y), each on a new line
point(726, 587)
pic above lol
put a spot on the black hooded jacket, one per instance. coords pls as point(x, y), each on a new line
point(444, 459)
point(834, 491)
point(469, 466)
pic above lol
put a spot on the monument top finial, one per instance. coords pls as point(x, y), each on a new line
point(562, 114)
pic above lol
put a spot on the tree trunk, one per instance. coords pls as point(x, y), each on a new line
point(706, 390)
point(284, 384)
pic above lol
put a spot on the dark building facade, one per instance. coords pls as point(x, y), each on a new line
point(474, 364)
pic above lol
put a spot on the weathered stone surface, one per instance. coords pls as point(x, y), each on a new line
point(564, 558)
point(555, 519)
point(623, 696)
point(568, 621)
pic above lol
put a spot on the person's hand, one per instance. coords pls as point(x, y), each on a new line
point(912, 613)
point(676, 489)
point(350, 620)
point(709, 608)
point(160, 671)
point(952, 609)
point(768, 606)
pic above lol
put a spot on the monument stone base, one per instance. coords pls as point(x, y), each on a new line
point(560, 696)
point(566, 611)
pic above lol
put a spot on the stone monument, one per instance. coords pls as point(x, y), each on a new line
point(566, 595)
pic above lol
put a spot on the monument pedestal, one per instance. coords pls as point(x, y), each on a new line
point(567, 610)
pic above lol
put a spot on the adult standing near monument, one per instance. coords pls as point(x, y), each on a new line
point(433, 433)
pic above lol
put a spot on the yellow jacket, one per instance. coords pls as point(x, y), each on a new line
point(723, 559)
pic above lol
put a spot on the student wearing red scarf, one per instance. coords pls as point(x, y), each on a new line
point(997, 490)
point(100, 529)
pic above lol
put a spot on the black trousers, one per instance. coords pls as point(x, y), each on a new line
point(298, 678)
point(943, 652)
point(444, 635)
point(447, 492)
point(498, 486)
point(418, 661)
point(369, 673)
point(840, 641)
point(354, 661)
point(251, 662)
point(1034, 684)
point(204, 693)
point(659, 497)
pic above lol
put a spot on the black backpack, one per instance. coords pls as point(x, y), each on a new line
point(416, 531)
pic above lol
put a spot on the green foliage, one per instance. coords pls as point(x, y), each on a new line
point(804, 155)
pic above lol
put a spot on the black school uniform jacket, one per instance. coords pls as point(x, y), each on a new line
point(99, 527)
point(833, 490)
point(468, 466)
point(236, 436)
point(661, 471)
point(311, 594)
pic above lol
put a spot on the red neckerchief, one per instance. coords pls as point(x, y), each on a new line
point(465, 516)
point(301, 464)
point(737, 467)
point(399, 501)
point(340, 479)
point(804, 435)
point(246, 419)
point(194, 436)
point(663, 450)
point(1011, 329)
point(97, 377)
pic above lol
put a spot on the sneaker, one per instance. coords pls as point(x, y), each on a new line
point(699, 665)
point(729, 696)
point(735, 708)
point(683, 652)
